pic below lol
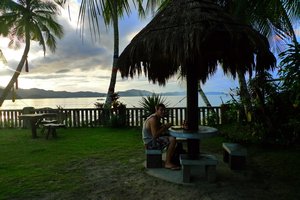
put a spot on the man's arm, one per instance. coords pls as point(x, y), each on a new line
point(156, 129)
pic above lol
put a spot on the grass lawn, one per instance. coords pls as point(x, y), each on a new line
point(32, 167)
point(106, 163)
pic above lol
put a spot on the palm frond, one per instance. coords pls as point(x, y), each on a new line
point(92, 9)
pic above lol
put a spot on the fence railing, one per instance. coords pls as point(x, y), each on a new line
point(95, 117)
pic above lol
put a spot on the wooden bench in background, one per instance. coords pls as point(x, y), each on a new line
point(235, 155)
point(53, 123)
point(51, 129)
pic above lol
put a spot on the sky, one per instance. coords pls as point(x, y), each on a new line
point(83, 64)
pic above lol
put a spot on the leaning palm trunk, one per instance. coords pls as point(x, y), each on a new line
point(203, 96)
point(244, 94)
point(2, 57)
point(111, 88)
point(205, 100)
point(17, 72)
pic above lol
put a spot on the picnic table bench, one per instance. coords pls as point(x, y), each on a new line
point(153, 158)
point(52, 124)
point(51, 129)
point(206, 160)
point(235, 155)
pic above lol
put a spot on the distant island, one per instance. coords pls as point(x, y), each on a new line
point(36, 93)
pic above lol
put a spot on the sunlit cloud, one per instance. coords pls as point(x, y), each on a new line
point(130, 36)
point(82, 64)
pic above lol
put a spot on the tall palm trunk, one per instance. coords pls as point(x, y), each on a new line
point(244, 94)
point(113, 78)
point(18, 70)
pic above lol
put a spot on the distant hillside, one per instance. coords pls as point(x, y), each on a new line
point(134, 92)
point(35, 93)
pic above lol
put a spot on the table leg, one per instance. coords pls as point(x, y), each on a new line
point(193, 148)
point(33, 128)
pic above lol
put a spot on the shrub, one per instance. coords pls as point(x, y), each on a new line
point(148, 103)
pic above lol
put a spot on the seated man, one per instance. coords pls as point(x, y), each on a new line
point(154, 135)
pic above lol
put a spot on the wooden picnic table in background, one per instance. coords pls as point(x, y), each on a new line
point(34, 118)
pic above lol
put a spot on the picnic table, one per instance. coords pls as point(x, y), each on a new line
point(193, 136)
point(34, 119)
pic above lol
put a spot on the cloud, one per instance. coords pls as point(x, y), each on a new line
point(79, 63)
point(297, 31)
point(83, 64)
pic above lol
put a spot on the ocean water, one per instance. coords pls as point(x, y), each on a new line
point(88, 102)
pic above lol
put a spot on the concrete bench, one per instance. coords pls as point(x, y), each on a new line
point(235, 155)
point(153, 158)
point(206, 160)
point(51, 129)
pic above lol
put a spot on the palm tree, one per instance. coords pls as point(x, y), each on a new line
point(28, 20)
point(269, 17)
point(110, 10)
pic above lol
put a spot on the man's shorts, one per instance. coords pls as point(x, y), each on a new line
point(158, 143)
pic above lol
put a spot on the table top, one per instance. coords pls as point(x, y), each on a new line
point(37, 115)
point(203, 132)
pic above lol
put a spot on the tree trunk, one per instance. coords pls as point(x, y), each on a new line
point(245, 96)
point(192, 112)
point(113, 78)
point(2, 57)
point(15, 76)
point(203, 96)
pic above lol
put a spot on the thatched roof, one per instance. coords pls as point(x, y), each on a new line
point(197, 34)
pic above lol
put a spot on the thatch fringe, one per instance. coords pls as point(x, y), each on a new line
point(197, 34)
